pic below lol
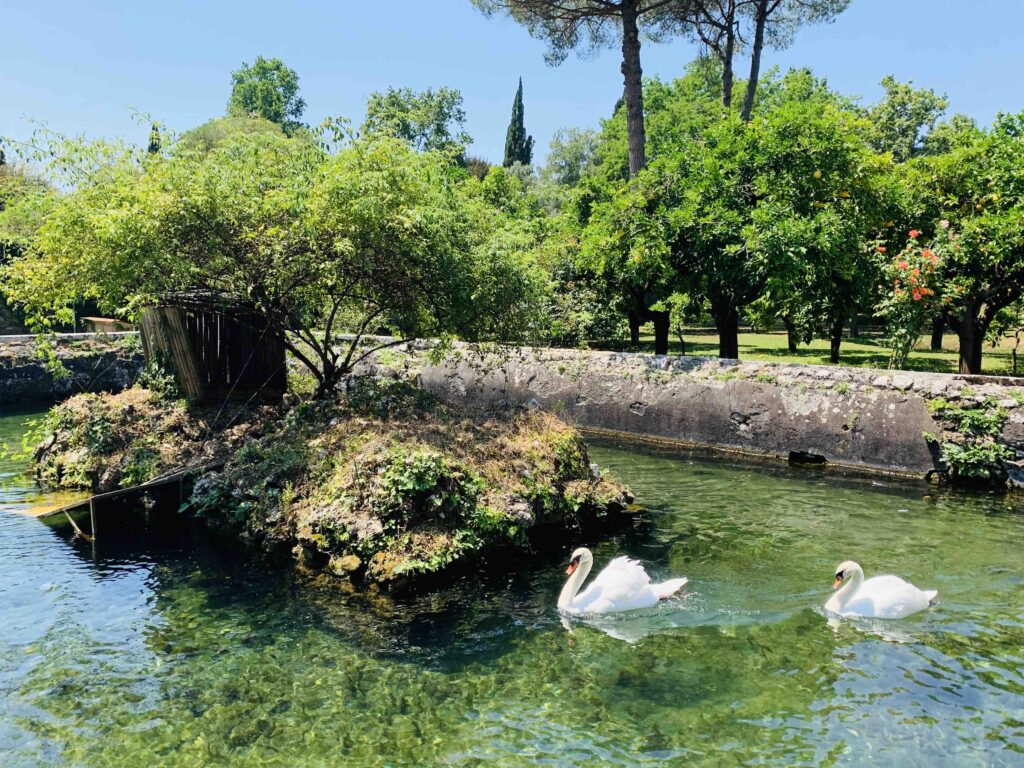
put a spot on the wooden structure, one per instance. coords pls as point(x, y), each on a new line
point(169, 483)
point(217, 347)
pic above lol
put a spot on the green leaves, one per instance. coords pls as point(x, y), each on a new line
point(374, 237)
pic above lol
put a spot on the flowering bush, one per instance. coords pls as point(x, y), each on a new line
point(910, 296)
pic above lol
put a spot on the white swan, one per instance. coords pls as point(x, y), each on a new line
point(880, 597)
point(622, 586)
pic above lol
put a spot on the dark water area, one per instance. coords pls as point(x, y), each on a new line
point(153, 647)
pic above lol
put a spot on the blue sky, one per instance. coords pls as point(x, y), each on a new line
point(83, 65)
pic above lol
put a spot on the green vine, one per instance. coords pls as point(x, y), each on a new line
point(969, 448)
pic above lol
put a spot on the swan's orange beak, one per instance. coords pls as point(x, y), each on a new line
point(572, 567)
point(839, 580)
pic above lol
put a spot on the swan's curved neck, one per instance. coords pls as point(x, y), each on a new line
point(573, 584)
point(850, 586)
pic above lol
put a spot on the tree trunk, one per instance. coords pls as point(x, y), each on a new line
point(632, 75)
point(836, 338)
point(791, 339)
point(938, 328)
point(727, 321)
point(727, 76)
point(760, 19)
point(971, 338)
point(634, 328)
point(661, 329)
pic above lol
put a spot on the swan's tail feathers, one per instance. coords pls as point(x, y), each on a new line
point(668, 588)
point(931, 594)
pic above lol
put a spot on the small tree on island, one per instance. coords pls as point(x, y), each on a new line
point(518, 145)
point(372, 238)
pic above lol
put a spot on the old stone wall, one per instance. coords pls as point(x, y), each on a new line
point(862, 418)
point(87, 363)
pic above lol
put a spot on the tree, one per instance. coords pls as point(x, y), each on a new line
point(775, 22)
point(212, 133)
point(777, 214)
point(588, 25)
point(429, 120)
point(971, 201)
point(626, 243)
point(269, 89)
point(373, 238)
point(518, 145)
point(570, 156)
point(155, 143)
point(957, 132)
point(715, 23)
point(902, 120)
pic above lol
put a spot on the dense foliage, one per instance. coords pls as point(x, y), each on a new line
point(269, 89)
point(782, 211)
point(369, 237)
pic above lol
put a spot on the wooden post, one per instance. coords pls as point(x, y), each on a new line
point(92, 518)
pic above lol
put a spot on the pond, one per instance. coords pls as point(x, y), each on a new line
point(151, 648)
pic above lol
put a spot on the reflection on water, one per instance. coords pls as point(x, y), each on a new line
point(152, 648)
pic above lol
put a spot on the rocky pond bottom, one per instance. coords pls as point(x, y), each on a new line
point(151, 648)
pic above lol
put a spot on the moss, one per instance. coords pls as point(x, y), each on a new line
point(405, 484)
point(101, 442)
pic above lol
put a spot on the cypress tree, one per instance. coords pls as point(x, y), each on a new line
point(518, 146)
point(154, 140)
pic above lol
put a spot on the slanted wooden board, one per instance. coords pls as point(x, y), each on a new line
point(93, 502)
point(56, 506)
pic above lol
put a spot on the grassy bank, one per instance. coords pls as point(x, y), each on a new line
point(866, 351)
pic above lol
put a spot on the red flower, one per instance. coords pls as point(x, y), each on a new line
point(881, 249)
point(903, 265)
point(926, 253)
point(914, 233)
point(917, 296)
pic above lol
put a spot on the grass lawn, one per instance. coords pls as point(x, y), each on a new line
point(863, 351)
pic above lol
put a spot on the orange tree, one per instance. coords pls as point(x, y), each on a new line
point(972, 200)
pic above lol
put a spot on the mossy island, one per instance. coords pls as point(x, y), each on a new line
point(383, 484)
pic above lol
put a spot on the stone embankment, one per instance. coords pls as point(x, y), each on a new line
point(968, 428)
point(67, 365)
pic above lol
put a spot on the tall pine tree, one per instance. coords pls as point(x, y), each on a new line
point(518, 146)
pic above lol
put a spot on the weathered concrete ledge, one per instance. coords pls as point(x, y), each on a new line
point(87, 363)
point(855, 417)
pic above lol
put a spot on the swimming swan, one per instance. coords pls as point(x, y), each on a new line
point(880, 597)
point(622, 586)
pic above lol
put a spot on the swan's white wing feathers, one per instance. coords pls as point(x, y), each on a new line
point(887, 597)
point(623, 585)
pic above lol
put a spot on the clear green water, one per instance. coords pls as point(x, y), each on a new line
point(151, 649)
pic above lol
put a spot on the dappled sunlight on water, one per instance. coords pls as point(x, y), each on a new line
point(153, 648)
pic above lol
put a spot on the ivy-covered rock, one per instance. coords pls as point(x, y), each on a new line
point(389, 483)
point(384, 484)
